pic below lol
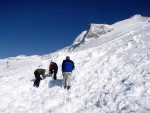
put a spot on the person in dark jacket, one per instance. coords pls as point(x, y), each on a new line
point(37, 74)
point(53, 68)
point(67, 68)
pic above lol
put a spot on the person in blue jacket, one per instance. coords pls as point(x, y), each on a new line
point(67, 68)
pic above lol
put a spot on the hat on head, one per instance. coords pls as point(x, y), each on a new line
point(67, 57)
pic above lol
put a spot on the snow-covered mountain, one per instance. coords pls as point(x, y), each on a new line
point(112, 74)
point(99, 34)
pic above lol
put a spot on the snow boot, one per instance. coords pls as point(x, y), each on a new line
point(68, 87)
point(65, 87)
point(36, 83)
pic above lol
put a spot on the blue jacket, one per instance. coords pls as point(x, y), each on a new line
point(67, 65)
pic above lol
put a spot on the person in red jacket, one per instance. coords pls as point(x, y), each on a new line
point(53, 68)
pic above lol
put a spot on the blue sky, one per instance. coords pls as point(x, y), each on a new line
point(29, 27)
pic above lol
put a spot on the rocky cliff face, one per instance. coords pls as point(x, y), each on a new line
point(94, 31)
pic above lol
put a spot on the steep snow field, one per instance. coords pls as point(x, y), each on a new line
point(112, 75)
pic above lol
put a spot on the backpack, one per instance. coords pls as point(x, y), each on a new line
point(67, 66)
point(54, 66)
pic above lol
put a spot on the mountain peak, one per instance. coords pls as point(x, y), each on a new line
point(96, 30)
point(138, 17)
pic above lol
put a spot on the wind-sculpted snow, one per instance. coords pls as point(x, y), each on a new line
point(113, 77)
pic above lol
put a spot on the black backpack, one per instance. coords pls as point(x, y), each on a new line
point(55, 66)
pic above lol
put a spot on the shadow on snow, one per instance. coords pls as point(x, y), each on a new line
point(52, 82)
point(57, 82)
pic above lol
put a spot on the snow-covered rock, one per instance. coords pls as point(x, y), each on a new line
point(96, 30)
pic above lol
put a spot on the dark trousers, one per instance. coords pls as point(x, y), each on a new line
point(55, 74)
point(37, 79)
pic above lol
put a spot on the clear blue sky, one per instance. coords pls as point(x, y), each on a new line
point(40, 27)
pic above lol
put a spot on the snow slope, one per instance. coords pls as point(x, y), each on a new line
point(112, 75)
